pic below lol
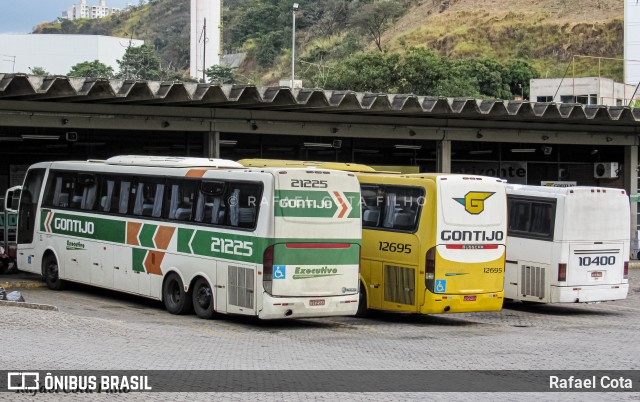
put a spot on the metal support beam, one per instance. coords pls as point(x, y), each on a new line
point(443, 164)
point(631, 183)
point(212, 144)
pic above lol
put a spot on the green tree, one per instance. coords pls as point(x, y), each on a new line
point(519, 75)
point(369, 72)
point(92, 69)
point(38, 71)
point(140, 63)
point(374, 18)
point(220, 74)
point(422, 71)
point(490, 75)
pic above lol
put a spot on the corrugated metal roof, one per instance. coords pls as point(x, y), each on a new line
point(115, 91)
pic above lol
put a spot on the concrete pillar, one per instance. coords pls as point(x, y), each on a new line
point(212, 144)
point(631, 184)
point(443, 162)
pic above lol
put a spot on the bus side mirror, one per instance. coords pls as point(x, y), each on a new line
point(11, 199)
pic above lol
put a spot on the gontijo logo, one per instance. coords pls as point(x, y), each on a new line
point(473, 201)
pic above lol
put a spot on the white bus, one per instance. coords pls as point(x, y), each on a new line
point(193, 232)
point(567, 245)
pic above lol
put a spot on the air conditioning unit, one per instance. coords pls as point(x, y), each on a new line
point(605, 170)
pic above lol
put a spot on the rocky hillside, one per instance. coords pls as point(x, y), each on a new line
point(546, 33)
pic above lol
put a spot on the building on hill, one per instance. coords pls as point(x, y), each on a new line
point(583, 90)
point(56, 54)
point(84, 10)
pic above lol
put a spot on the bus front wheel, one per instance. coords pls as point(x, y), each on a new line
point(176, 300)
point(203, 299)
point(52, 273)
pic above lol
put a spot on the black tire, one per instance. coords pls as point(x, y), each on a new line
point(52, 273)
point(202, 296)
point(363, 310)
point(176, 300)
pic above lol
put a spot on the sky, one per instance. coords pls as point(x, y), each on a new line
point(21, 16)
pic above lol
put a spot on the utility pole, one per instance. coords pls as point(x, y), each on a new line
point(293, 46)
point(204, 51)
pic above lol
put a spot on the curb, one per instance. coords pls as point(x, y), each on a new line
point(23, 285)
point(33, 306)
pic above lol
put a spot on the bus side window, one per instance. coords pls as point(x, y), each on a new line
point(210, 205)
point(402, 207)
point(60, 190)
point(148, 198)
point(519, 215)
point(389, 210)
point(107, 195)
point(244, 199)
point(123, 202)
point(179, 200)
point(88, 185)
point(371, 206)
point(541, 219)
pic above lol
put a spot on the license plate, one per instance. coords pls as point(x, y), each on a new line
point(596, 274)
point(469, 298)
point(319, 302)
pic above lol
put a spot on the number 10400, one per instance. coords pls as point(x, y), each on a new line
point(597, 261)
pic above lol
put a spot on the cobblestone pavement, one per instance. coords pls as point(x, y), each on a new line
point(101, 330)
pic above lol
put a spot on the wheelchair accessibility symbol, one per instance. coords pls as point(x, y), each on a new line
point(279, 271)
point(441, 285)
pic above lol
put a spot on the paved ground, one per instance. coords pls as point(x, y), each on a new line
point(97, 329)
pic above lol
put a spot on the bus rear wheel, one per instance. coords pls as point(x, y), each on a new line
point(176, 300)
point(362, 303)
point(203, 299)
point(52, 273)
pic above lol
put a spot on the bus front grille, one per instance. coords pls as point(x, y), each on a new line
point(399, 284)
point(533, 279)
point(241, 287)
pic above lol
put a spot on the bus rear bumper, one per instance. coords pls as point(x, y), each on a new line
point(446, 304)
point(588, 294)
point(301, 307)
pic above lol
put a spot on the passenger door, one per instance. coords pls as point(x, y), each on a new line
point(28, 219)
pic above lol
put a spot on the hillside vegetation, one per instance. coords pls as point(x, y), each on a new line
point(545, 34)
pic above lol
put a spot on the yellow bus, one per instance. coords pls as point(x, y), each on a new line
point(431, 243)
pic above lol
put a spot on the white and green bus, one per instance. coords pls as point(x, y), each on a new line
point(196, 233)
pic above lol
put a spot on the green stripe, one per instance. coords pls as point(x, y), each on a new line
point(146, 235)
point(77, 226)
point(138, 255)
point(316, 256)
point(207, 243)
point(354, 200)
point(298, 204)
point(184, 235)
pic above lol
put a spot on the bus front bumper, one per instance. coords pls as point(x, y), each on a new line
point(444, 304)
point(588, 294)
point(307, 307)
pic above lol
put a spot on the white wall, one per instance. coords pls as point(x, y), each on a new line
point(56, 54)
point(210, 54)
point(631, 42)
point(608, 92)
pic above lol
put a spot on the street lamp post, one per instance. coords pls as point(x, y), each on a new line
point(293, 45)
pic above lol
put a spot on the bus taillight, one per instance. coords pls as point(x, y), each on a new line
point(562, 272)
point(625, 273)
point(267, 269)
point(430, 269)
